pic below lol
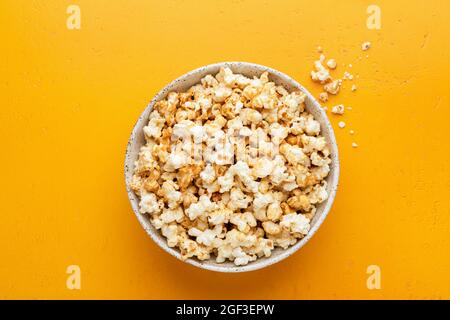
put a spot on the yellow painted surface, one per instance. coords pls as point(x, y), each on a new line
point(69, 99)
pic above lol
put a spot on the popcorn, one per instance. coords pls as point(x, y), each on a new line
point(296, 223)
point(333, 87)
point(205, 237)
point(238, 199)
point(221, 93)
point(260, 204)
point(241, 258)
point(278, 132)
point(176, 160)
point(348, 76)
point(243, 221)
point(233, 167)
point(331, 63)
point(323, 96)
point(170, 231)
point(200, 208)
point(312, 127)
point(271, 227)
point(208, 174)
point(219, 216)
point(338, 109)
point(299, 202)
point(263, 168)
point(294, 154)
point(366, 46)
point(321, 74)
point(171, 215)
point(318, 194)
point(155, 125)
point(149, 204)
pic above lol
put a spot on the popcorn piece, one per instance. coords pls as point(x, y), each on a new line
point(208, 174)
point(278, 132)
point(366, 46)
point(333, 87)
point(271, 227)
point(341, 124)
point(260, 204)
point(149, 204)
point(200, 208)
point(338, 109)
point(238, 199)
point(348, 76)
point(243, 221)
point(312, 127)
point(177, 160)
point(155, 125)
point(323, 96)
point(221, 92)
point(263, 168)
point(321, 74)
point(294, 154)
point(311, 144)
point(241, 258)
point(171, 215)
point(171, 233)
point(354, 145)
point(220, 216)
point(206, 237)
point(354, 87)
point(295, 223)
point(331, 63)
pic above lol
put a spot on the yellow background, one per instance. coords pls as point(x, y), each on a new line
point(69, 99)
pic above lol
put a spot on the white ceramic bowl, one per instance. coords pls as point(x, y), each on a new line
point(182, 84)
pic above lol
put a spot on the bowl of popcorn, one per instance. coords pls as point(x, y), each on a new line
point(232, 167)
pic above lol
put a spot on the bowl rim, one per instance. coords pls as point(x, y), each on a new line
point(259, 263)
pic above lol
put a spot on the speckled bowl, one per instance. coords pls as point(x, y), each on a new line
point(182, 84)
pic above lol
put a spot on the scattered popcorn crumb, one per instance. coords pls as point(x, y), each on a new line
point(350, 65)
point(321, 74)
point(366, 46)
point(331, 63)
point(323, 96)
point(367, 55)
point(352, 132)
point(319, 49)
point(354, 145)
point(348, 76)
point(341, 124)
point(354, 87)
point(348, 108)
point(338, 109)
point(333, 87)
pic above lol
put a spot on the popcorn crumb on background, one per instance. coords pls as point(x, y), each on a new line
point(366, 46)
point(338, 109)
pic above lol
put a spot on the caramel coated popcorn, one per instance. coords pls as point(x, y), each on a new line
point(232, 168)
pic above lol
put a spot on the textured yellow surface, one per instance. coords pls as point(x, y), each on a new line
point(69, 99)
